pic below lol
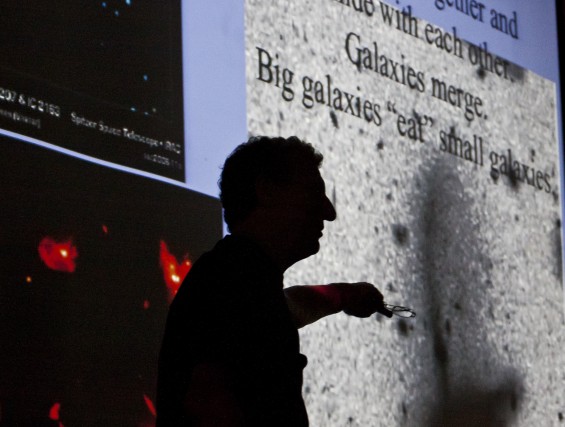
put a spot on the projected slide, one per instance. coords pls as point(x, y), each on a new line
point(442, 160)
point(92, 253)
point(102, 79)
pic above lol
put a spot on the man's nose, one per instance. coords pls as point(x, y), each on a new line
point(329, 210)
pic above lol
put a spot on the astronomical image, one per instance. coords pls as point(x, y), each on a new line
point(102, 78)
point(88, 268)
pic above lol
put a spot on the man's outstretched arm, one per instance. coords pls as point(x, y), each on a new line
point(310, 303)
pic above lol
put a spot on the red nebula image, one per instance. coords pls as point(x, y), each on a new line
point(54, 413)
point(148, 422)
point(173, 271)
point(150, 405)
point(58, 256)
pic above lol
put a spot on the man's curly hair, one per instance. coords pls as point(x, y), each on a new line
point(273, 159)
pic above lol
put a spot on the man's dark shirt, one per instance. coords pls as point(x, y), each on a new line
point(231, 311)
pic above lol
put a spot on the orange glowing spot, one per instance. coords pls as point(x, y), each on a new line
point(150, 405)
point(59, 256)
point(173, 271)
point(28, 279)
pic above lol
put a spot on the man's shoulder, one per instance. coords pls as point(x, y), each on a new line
point(232, 262)
point(234, 255)
point(229, 255)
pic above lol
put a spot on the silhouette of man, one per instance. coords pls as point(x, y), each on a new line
point(230, 353)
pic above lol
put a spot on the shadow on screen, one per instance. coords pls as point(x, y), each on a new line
point(474, 385)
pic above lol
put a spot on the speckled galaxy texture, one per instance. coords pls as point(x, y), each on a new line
point(477, 254)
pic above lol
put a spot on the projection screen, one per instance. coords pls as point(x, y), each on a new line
point(440, 126)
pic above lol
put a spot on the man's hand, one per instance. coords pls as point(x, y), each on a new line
point(361, 299)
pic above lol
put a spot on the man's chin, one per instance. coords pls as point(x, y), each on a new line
point(312, 249)
point(305, 248)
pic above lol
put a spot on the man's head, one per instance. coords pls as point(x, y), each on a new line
point(277, 180)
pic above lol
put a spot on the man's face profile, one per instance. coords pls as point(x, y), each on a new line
point(301, 206)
